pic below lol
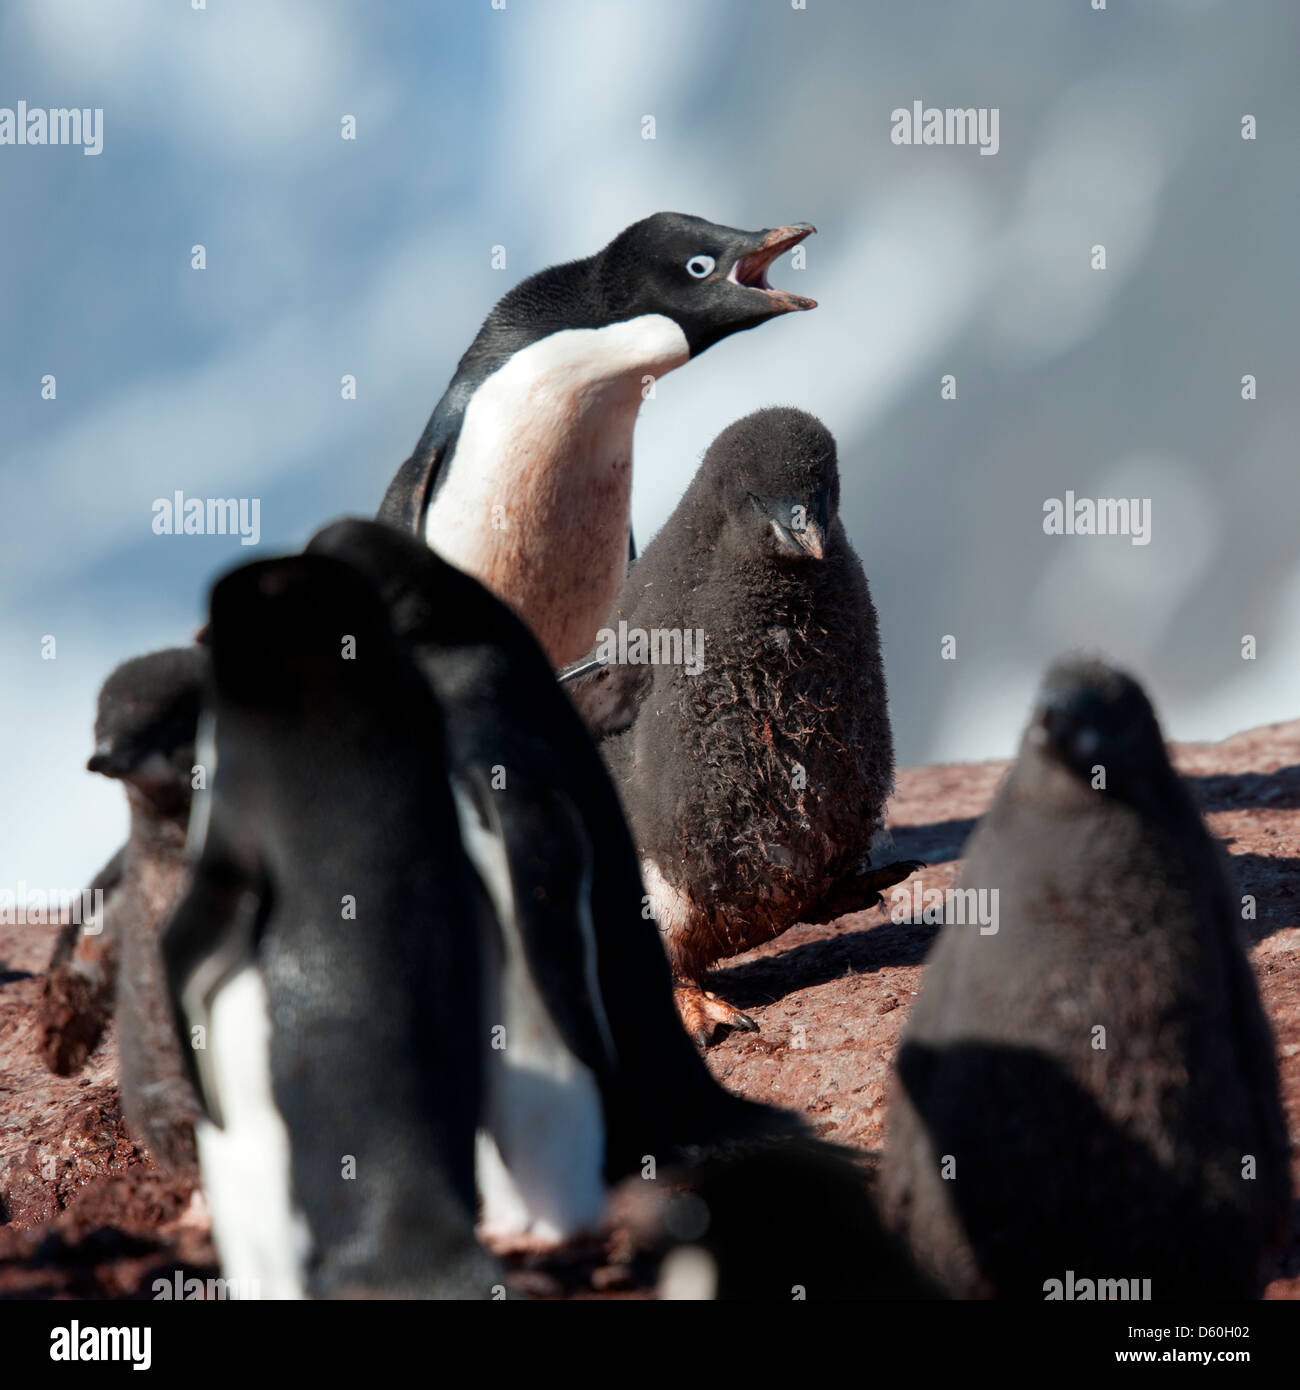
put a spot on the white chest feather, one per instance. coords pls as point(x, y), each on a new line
point(205, 756)
point(535, 499)
point(261, 1237)
point(540, 1154)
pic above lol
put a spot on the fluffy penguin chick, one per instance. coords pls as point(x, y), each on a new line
point(754, 770)
point(144, 736)
point(1090, 1088)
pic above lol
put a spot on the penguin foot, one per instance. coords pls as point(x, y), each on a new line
point(861, 892)
point(703, 1013)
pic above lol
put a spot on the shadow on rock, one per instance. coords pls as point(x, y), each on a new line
point(1244, 791)
point(935, 844)
point(818, 962)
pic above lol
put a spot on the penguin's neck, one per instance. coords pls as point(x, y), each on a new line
point(158, 831)
point(534, 499)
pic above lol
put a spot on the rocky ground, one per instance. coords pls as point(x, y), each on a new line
point(84, 1214)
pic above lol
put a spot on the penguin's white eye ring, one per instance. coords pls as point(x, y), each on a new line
point(700, 266)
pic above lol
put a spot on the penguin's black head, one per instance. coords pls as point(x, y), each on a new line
point(400, 566)
point(1089, 715)
point(146, 720)
point(300, 634)
point(427, 599)
point(778, 480)
point(711, 280)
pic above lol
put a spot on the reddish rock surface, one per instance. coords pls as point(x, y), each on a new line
point(85, 1215)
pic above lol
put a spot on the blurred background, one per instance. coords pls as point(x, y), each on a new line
point(522, 127)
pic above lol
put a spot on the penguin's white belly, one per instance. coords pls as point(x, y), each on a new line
point(261, 1238)
point(540, 1153)
point(539, 1158)
point(673, 912)
point(535, 499)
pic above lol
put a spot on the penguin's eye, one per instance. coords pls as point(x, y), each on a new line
point(700, 266)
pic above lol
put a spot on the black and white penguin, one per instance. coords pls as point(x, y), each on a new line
point(754, 768)
point(325, 964)
point(590, 1073)
point(144, 737)
point(523, 475)
point(1089, 1088)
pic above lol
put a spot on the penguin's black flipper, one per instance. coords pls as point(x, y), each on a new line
point(536, 861)
point(408, 494)
point(81, 978)
point(608, 696)
point(212, 932)
point(105, 881)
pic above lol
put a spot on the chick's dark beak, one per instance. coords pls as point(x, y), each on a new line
point(812, 539)
point(1068, 731)
point(110, 760)
point(799, 525)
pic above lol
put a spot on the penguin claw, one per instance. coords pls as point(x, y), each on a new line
point(703, 1013)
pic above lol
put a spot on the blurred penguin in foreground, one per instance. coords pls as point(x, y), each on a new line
point(1091, 1088)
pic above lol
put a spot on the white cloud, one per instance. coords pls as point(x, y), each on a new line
point(986, 710)
point(231, 83)
point(58, 822)
point(1095, 178)
point(1104, 592)
point(1266, 691)
point(231, 426)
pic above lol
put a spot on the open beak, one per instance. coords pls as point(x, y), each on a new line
point(750, 269)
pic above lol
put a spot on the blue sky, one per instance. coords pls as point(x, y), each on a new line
point(480, 127)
